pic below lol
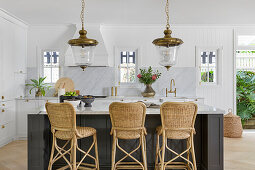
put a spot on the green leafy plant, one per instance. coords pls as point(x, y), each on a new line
point(245, 94)
point(148, 76)
point(39, 85)
point(204, 76)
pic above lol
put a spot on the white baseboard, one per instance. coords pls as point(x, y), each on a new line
point(5, 142)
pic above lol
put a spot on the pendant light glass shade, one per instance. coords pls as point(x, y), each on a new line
point(167, 46)
point(83, 56)
point(83, 47)
point(168, 55)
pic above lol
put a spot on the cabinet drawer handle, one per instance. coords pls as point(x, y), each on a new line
point(3, 126)
point(3, 110)
point(27, 100)
point(3, 104)
point(2, 97)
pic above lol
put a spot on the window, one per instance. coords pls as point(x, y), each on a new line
point(51, 66)
point(207, 61)
point(245, 60)
point(208, 66)
point(127, 67)
point(245, 53)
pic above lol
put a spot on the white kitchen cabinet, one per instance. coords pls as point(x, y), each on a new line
point(13, 54)
point(7, 132)
point(25, 107)
point(7, 122)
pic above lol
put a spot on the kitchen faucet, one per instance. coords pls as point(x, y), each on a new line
point(171, 88)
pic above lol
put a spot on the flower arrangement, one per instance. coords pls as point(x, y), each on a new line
point(148, 76)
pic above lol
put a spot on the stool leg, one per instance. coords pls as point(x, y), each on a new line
point(114, 150)
point(157, 153)
point(96, 151)
point(193, 153)
point(52, 153)
point(144, 151)
point(163, 151)
point(188, 153)
point(74, 152)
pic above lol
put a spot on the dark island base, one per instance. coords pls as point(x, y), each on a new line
point(208, 141)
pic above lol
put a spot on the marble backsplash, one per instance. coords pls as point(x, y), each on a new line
point(99, 80)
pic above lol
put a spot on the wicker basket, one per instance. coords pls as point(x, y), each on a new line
point(232, 125)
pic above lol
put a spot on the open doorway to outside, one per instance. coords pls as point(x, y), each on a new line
point(245, 79)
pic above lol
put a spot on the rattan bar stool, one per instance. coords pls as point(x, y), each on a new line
point(178, 120)
point(128, 123)
point(62, 118)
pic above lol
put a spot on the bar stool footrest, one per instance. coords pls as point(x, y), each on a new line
point(128, 165)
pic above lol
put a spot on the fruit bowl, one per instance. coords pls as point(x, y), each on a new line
point(88, 100)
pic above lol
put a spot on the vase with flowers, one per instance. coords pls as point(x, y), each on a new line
point(147, 77)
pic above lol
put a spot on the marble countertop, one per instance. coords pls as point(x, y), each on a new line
point(37, 98)
point(135, 98)
point(101, 106)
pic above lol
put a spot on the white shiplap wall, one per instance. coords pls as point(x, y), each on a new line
point(141, 36)
point(221, 95)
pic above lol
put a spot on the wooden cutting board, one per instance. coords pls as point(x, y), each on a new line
point(66, 82)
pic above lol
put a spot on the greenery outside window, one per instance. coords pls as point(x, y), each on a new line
point(207, 62)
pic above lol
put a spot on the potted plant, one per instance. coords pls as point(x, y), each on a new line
point(245, 94)
point(147, 77)
point(39, 85)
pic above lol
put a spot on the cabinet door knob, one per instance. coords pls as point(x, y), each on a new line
point(3, 126)
point(2, 97)
point(3, 104)
point(3, 110)
point(27, 100)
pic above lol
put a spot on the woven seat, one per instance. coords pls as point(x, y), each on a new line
point(178, 120)
point(62, 118)
point(83, 132)
point(171, 134)
point(128, 123)
point(122, 134)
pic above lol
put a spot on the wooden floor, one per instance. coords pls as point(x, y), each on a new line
point(238, 154)
point(14, 156)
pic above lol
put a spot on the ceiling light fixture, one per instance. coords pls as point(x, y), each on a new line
point(83, 47)
point(167, 46)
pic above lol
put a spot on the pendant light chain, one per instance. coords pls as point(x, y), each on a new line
point(82, 13)
point(167, 14)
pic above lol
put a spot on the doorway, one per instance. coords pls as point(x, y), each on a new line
point(245, 80)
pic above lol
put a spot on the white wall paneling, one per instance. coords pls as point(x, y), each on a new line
point(141, 36)
point(13, 66)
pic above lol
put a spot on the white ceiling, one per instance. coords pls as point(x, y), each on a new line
point(133, 11)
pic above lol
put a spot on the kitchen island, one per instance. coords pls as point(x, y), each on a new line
point(208, 138)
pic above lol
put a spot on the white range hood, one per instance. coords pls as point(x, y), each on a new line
point(100, 57)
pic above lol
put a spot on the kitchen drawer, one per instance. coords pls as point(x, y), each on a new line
point(7, 132)
point(7, 112)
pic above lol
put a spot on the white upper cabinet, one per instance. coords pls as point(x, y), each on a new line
point(13, 54)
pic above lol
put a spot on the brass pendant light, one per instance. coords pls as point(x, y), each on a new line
point(167, 46)
point(83, 47)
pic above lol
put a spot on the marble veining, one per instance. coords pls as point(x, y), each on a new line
point(99, 80)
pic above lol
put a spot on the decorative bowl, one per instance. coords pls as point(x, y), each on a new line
point(88, 100)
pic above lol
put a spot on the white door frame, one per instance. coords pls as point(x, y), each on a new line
point(240, 31)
